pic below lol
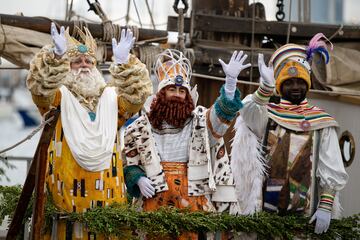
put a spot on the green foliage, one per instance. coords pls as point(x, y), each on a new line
point(123, 220)
point(9, 197)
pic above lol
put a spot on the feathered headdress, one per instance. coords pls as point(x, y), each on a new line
point(318, 45)
point(293, 60)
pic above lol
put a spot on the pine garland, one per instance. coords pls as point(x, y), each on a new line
point(123, 220)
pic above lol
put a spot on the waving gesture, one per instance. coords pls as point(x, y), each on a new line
point(266, 73)
point(58, 39)
point(122, 49)
point(232, 70)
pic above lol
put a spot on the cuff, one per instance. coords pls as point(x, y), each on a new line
point(132, 175)
point(227, 108)
point(263, 94)
point(50, 58)
point(118, 61)
point(326, 201)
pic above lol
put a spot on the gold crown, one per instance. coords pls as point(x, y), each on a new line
point(173, 68)
point(87, 47)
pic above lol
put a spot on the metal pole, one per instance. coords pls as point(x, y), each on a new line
point(300, 13)
point(289, 25)
point(307, 11)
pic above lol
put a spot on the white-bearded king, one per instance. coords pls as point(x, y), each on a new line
point(84, 164)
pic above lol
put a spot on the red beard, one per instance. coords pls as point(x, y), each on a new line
point(174, 111)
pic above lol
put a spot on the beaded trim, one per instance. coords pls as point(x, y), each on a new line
point(81, 49)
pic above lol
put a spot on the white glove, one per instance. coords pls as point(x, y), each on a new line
point(232, 71)
point(266, 73)
point(146, 189)
point(323, 219)
point(122, 49)
point(58, 39)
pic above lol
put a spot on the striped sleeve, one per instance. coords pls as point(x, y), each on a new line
point(263, 94)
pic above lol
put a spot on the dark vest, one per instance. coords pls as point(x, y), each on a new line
point(289, 154)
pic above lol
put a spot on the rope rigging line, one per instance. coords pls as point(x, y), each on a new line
point(4, 43)
point(181, 38)
point(28, 137)
point(339, 31)
point(137, 12)
point(69, 10)
point(150, 14)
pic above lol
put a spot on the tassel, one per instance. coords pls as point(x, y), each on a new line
point(317, 45)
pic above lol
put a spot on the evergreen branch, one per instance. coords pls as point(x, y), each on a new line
point(124, 220)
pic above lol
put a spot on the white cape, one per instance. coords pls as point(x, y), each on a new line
point(91, 142)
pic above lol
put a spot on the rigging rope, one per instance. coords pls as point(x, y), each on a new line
point(5, 40)
point(148, 55)
point(137, 12)
point(151, 16)
point(69, 11)
point(28, 137)
point(339, 31)
point(181, 39)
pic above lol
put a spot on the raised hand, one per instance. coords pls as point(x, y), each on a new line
point(146, 189)
point(235, 66)
point(323, 218)
point(122, 49)
point(232, 70)
point(266, 73)
point(59, 40)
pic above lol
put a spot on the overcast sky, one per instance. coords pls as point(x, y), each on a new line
point(116, 9)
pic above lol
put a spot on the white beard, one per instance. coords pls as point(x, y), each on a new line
point(87, 86)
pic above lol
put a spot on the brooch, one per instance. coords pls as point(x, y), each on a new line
point(292, 71)
point(179, 80)
point(305, 125)
point(82, 48)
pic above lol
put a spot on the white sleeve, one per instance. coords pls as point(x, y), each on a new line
point(255, 116)
point(330, 167)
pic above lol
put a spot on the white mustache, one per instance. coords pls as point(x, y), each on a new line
point(82, 70)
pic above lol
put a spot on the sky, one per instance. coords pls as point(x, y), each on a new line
point(115, 10)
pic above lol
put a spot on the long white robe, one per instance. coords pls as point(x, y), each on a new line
point(327, 162)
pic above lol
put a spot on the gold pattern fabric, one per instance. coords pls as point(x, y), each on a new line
point(74, 189)
point(132, 80)
point(177, 195)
